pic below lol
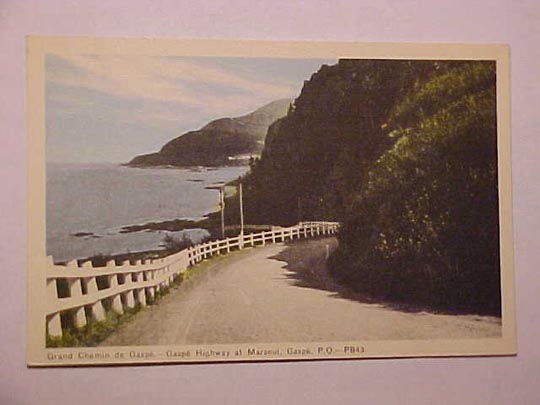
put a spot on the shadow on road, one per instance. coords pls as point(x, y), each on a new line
point(306, 263)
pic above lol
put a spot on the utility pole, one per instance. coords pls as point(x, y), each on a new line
point(222, 205)
point(241, 211)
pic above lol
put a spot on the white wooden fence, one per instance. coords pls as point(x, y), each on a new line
point(126, 285)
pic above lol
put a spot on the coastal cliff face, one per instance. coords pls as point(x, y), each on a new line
point(404, 155)
point(218, 141)
point(321, 151)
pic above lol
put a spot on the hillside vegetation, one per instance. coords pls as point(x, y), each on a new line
point(403, 154)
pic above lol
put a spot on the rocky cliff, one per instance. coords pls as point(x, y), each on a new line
point(218, 143)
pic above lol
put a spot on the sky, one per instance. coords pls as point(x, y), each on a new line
point(106, 108)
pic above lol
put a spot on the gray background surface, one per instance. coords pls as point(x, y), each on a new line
point(459, 380)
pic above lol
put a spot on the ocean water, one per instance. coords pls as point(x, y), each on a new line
point(100, 199)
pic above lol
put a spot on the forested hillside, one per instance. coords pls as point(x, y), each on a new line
point(425, 226)
point(403, 153)
point(218, 141)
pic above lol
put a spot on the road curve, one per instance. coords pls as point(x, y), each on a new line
point(281, 293)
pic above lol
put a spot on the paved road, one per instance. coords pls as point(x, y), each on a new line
point(282, 293)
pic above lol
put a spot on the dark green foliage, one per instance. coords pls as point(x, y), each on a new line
point(176, 244)
point(403, 153)
point(321, 151)
point(201, 148)
point(425, 227)
point(91, 334)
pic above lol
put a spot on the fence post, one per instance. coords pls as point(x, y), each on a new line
point(116, 304)
point(165, 274)
point(140, 294)
point(98, 312)
point(54, 325)
point(141, 297)
point(75, 291)
point(157, 275)
point(130, 299)
point(151, 292)
point(188, 256)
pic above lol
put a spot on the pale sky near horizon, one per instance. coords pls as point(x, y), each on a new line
point(111, 108)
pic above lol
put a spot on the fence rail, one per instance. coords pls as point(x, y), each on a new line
point(90, 290)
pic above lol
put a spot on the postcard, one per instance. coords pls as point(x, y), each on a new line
point(222, 201)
